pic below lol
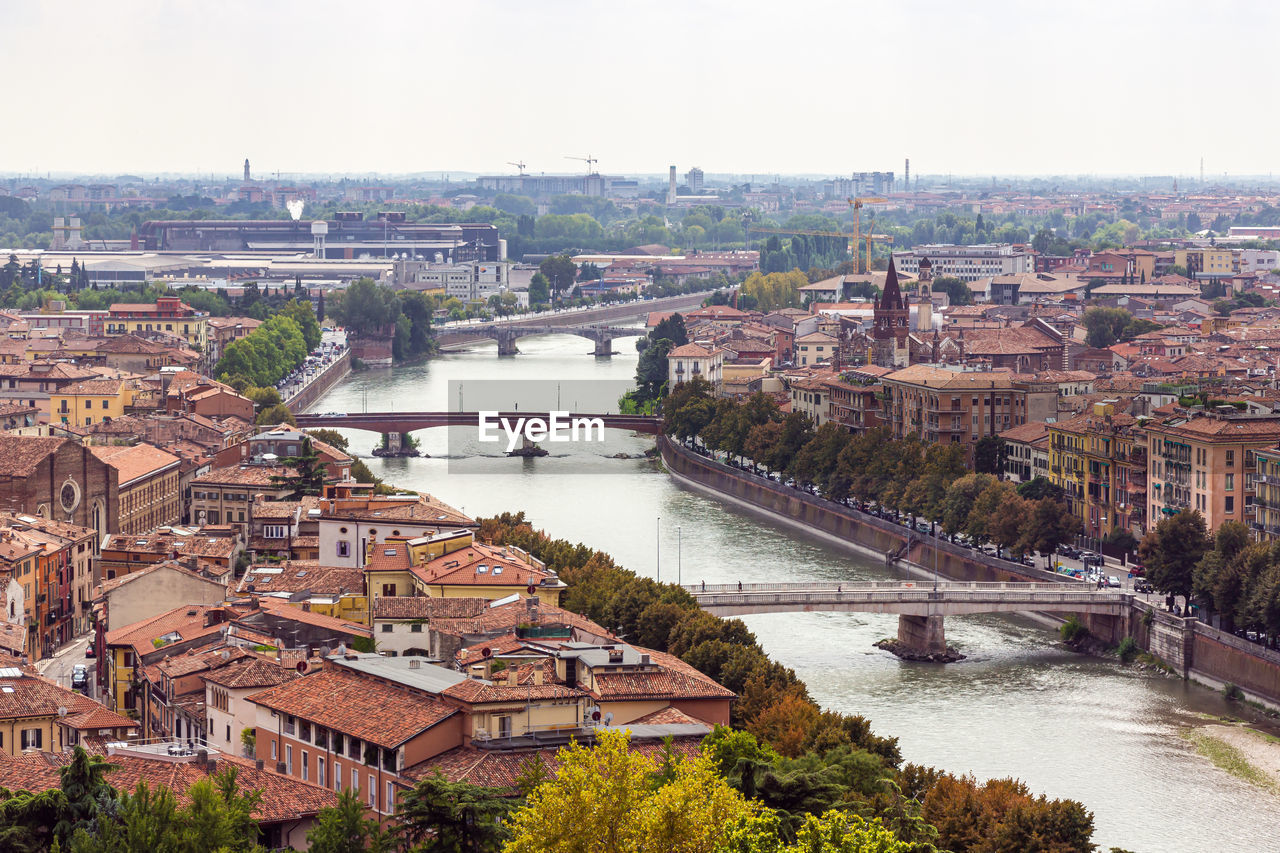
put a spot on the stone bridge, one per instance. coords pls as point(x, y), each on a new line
point(506, 334)
point(396, 425)
point(920, 605)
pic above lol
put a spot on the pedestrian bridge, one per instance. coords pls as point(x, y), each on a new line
point(919, 605)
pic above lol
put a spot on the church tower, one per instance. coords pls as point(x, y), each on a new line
point(890, 324)
point(924, 308)
point(246, 170)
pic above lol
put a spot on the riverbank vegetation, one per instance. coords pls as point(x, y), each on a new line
point(783, 750)
point(1225, 574)
point(924, 481)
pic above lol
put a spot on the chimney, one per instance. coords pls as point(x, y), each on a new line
point(513, 677)
point(259, 764)
point(537, 676)
point(671, 186)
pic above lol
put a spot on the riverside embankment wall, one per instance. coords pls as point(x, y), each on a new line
point(316, 388)
point(1192, 648)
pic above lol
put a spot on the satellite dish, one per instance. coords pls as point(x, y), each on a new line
point(486, 651)
point(62, 712)
point(301, 667)
point(595, 715)
point(532, 589)
point(608, 718)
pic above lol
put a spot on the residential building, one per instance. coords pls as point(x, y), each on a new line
point(1026, 452)
point(1099, 458)
point(36, 714)
point(210, 555)
point(223, 331)
point(92, 401)
point(349, 520)
point(169, 315)
point(227, 689)
point(811, 395)
point(692, 361)
point(816, 348)
point(1266, 522)
point(465, 569)
point(148, 487)
point(1206, 462)
point(125, 650)
point(282, 442)
point(226, 495)
point(960, 406)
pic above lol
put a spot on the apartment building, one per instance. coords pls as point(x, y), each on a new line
point(1099, 459)
point(1207, 462)
point(967, 263)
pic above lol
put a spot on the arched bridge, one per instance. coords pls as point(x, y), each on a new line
point(506, 334)
point(919, 604)
point(396, 425)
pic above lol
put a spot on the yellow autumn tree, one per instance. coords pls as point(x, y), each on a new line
point(610, 799)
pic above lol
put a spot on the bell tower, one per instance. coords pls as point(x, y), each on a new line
point(924, 307)
point(890, 323)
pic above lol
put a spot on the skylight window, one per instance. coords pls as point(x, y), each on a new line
point(481, 569)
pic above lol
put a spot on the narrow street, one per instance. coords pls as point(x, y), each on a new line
point(58, 667)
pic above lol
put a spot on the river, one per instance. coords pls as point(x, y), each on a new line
point(1069, 726)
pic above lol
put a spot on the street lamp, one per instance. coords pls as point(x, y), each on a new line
point(658, 540)
point(679, 555)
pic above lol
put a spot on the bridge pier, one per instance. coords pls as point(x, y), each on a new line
point(921, 638)
point(506, 343)
point(395, 443)
point(604, 346)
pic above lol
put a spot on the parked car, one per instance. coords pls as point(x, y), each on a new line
point(88, 651)
point(79, 677)
point(1113, 582)
point(1138, 571)
point(1142, 585)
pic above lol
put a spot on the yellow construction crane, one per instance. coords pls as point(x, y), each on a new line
point(856, 204)
point(875, 238)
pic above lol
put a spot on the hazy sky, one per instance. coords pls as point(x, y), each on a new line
point(803, 86)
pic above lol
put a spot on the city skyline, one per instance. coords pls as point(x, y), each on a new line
point(427, 90)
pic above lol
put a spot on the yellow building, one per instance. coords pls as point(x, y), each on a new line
point(91, 401)
point(169, 315)
point(1099, 459)
point(1266, 525)
point(1206, 262)
point(453, 565)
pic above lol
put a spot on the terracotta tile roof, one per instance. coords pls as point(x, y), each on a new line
point(93, 387)
point(29, 695)
point(294, 612)
point(424, 607)
point(366, 708)
point(92, 716)
point(499, 620)
point(425, 509)
point(188, 621)
point(500, 768)
point(284, 798)
point(476, 692)
point(302, 576)
point(245, 475)
point(21, 454)
point(669, 717)
point(674, 679)
point(251, 671)
point(1245, 429)
point(134, 462)
point(481, 565)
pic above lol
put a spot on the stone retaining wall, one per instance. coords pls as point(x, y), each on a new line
point(332, 375)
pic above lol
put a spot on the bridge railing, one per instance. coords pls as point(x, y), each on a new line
point(1034, 599)
point(872, 585)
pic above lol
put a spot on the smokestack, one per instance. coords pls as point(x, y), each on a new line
point(671, 187)
point(246, 170)
point(906, 180)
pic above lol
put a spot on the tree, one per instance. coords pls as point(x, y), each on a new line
point(345, 829)
point(308, 476)
point(263, 398)
point(693, 812)
point(989, 454)
point(672, 328)
point(958, 293)
point(1171, 550)
point(277, 414)
point(651, 369)
point(331, 437)
point(1104, 325)
point(1001, 816)
point(1041, 487)
point(366, 307)
point(539, 289)
point(452, 817)
point(305, 316)
point(560, 272)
